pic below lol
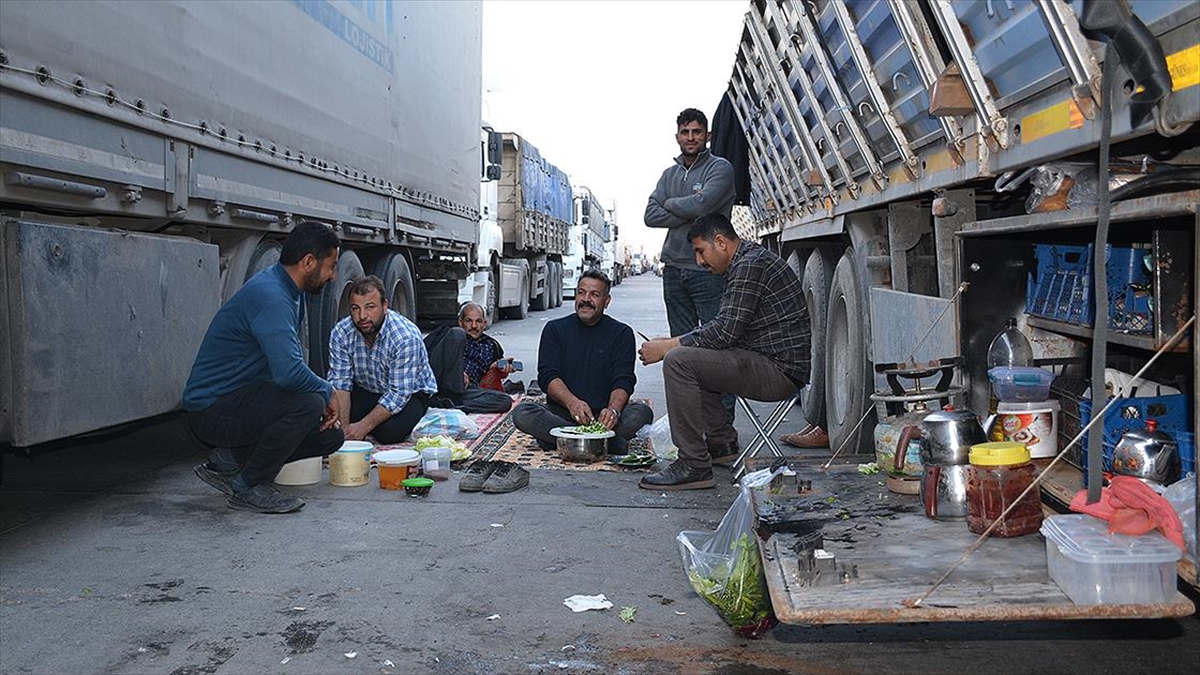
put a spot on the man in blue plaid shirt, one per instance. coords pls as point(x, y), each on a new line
point(378, 368)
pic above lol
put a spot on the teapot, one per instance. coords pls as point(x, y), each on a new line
point(1147, 454)
point(946, 437)
point(899, 459)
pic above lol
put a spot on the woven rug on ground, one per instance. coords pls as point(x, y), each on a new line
point(507, 444)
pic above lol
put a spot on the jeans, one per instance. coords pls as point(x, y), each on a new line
point(265, 426)
point(395, 428)
point(537, 420)
point(693, 298)
point(695, 378)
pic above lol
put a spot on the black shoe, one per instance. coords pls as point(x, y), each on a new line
point(264, 498)
point(474, 477)
point(725, 455)
point(222, 460)
point(514, 387)
point(221, 480)
point(506, 477)
point(678, 476)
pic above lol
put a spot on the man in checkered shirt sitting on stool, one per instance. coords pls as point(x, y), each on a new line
point(757, 347)
point(378, 368)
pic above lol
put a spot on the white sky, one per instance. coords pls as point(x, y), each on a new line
point(596, 86)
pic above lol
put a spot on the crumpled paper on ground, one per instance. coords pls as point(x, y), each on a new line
point(1131, 507)
point(582, 603)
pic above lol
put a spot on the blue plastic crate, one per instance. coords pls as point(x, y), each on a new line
point(1060, 287)
point(1171, 413)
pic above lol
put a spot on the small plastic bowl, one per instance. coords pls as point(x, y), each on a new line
point(417, 487)
point(1017, 384)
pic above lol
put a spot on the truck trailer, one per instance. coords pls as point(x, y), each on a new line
point(527, 209)
point(933, 168)
point(154, 154)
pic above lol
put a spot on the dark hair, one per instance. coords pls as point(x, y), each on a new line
point(598, 276)
point(365, 285)
point(308, 237)
point(709, 225)
point(691, 115)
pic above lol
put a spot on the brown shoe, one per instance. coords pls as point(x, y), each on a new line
point(815, 438)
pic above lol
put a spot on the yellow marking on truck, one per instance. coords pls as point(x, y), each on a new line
point(936, 162)
point(1184, 66)
point(1056, 118)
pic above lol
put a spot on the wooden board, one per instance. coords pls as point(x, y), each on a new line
point(898, 553)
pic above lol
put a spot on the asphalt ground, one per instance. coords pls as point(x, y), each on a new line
point(114, 558)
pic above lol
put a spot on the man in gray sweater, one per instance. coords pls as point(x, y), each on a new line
point(698, 183)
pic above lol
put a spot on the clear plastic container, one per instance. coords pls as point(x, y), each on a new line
point(1010, 347)
point(1019, 384)
point(1094, 567)
point(998, 474)
point(435, 462)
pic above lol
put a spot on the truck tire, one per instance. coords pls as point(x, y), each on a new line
point(558, 284)
point(393, 269)
point(327, 308)
point(846, 365)
point(492, 310)
point(814, 283)
point(521, 310)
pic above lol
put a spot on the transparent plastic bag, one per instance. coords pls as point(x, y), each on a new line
point(1182, 496)
point(724, 568)
point(445, 422)
point(660, 440)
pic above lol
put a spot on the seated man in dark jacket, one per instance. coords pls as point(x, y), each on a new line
point(585, 366)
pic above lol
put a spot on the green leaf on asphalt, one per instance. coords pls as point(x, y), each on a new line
point(627, 613)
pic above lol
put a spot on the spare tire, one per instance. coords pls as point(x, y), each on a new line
point(327, 308)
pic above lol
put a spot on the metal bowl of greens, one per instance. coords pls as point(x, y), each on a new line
point(587, 443)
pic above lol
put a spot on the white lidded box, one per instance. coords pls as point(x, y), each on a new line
point(1094, 567)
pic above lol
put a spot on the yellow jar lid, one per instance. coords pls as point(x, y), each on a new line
point(999, 453)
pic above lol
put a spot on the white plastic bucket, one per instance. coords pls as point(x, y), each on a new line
point(1035, 425)
point(305, 471)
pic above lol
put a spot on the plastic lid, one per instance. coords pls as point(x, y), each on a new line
point(1031, 375)
point(1084, 538)
point(417, 482)
point(999, 453)
point(356, 446)
point(1049, 405)
point(397, 457)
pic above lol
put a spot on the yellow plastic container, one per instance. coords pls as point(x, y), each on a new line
point(999, 474)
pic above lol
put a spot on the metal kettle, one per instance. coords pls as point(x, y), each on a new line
point(946, 437)
point(1147, 454)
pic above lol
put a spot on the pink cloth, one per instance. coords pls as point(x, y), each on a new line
point(1131, 507)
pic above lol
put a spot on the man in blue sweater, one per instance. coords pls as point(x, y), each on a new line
point(251, 396)
point(585, 366)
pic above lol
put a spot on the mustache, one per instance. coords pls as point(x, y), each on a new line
point(587, 304)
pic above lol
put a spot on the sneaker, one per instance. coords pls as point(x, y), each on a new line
point(678, 476)
point(264, 498)
point(221, 480)
point(725, 455)
point(474, 477)
point(506, 477)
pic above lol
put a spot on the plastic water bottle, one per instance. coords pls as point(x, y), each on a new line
point(1010, 347)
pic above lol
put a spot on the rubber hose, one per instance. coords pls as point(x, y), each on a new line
point(1171, 180)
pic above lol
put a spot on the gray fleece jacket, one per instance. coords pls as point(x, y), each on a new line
point(682, 195)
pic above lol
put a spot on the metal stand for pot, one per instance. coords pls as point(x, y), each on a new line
point(897, 398)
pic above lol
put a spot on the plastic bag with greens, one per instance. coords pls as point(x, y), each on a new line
point(725, 569)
